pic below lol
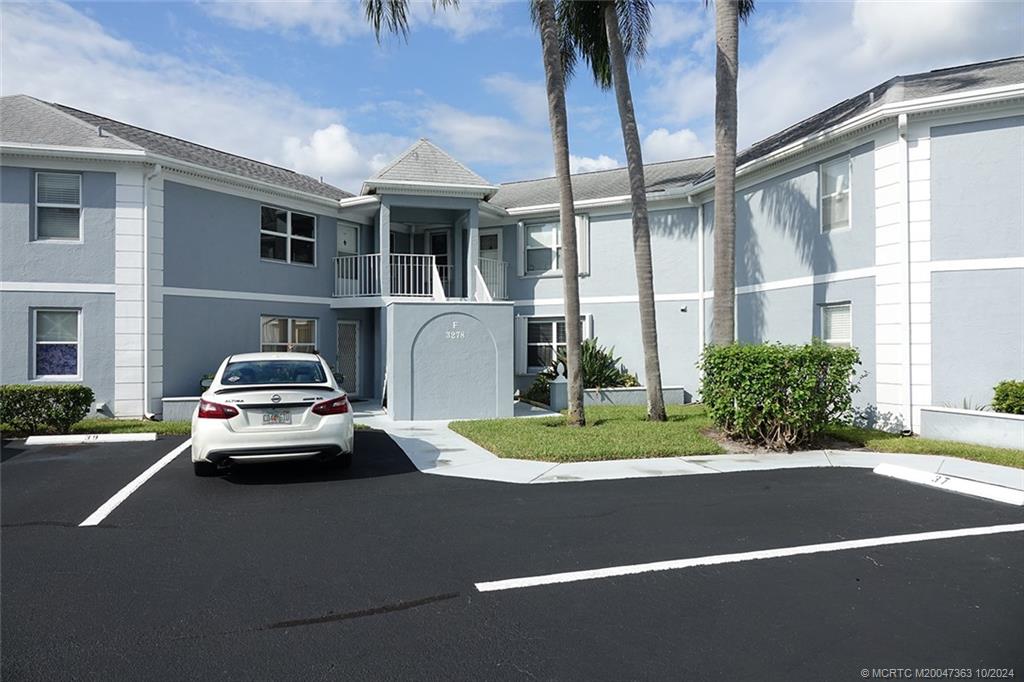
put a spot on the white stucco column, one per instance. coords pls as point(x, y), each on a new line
point(384, 223)
point(472, 253)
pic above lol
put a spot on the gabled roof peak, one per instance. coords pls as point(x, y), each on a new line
point(425, 165)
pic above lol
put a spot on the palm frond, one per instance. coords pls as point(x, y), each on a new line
point(567, 50)
point(392, 16)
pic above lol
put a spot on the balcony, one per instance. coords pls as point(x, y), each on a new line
point(413, 275)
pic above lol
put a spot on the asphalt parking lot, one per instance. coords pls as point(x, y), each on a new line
point(291, 571)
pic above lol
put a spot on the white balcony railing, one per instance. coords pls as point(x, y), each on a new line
point(412, 274)
point(495, 274)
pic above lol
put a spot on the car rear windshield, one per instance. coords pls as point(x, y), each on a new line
point(273, 372)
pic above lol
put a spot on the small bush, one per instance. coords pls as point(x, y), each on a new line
point(600, 367)
point(31, 408)
point(778, 396)
point(1009, 397)
point(539, 391)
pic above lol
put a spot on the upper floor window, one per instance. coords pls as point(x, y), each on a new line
point(543, 248)
point(287, 236)
point(837, 324)
point(57, 342)
point(835, 194)
point(287, 334)
point(58, 206)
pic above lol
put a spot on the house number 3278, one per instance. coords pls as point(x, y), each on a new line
point(454, 332)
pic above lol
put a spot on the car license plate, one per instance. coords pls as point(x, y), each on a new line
point(277, 417)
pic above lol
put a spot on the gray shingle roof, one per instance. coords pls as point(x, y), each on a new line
point(601, 184)
point(426, 162)
point(28, 120)
point(978, 76)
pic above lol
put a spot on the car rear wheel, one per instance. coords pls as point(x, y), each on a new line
point(342, 461)
point(204, 469)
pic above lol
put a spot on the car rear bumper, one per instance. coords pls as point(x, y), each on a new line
point(274, 454)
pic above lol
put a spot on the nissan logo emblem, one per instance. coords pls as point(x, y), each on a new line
point(275, 398)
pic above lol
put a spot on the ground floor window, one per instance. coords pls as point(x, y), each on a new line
point(287, 334)
point(57, 342)
point(837, 324)
point(545, 338)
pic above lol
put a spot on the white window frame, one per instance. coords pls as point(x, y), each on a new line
point(39, 205)
point(291, 328)
point(845, 343)
point(288, 236)
point(553, 321)
point(557, 249)
point(78, 343)
point(822, 196)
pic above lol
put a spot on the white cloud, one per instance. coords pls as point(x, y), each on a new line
point(235, 113)
point(476, 138)
point(662, 145)
point(528, 98)
point(334, 21)
point(588, 164)
point(817, 54)
point(328, 22)
point(673, 23)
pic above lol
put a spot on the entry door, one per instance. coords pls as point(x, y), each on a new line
point(348, 355)
point(491, 267)
point(439, 247)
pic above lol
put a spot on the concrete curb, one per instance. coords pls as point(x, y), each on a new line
point(436, 449)
point(84, 438)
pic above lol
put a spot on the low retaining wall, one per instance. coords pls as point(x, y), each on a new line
point(179, 409)
point(997, 429)
point(637, 395)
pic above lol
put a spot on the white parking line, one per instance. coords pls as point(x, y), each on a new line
point(613, 571)
point(110, 505)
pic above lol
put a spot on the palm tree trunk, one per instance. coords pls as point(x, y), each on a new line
point(555, 81)
point(641, 227)
point(726, 68)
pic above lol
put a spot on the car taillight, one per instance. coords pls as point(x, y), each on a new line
point(208, 410)
point(335, 406)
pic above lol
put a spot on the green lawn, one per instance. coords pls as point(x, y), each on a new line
point(623, 433)
point(611, 433)
point(881, 441)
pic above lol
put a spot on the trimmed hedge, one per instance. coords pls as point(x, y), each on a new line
point(48, 407)
point(778, 396)
point(1009, 397)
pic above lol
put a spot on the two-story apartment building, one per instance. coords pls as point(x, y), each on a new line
point(893, 221)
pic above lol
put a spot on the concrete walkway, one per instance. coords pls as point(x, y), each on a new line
point(436, 449)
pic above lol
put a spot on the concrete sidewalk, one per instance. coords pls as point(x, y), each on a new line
point(436, 449)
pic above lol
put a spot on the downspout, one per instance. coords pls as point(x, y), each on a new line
point(700, 273)
point(157, 169)
point(907, 369)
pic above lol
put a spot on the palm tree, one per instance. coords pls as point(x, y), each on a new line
point(606, 34)
point(393, 16)
point(558, 63)
point(727, 40)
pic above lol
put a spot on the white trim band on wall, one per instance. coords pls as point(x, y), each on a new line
point(58, 287)
point(247, 296)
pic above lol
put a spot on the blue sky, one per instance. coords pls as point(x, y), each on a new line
point(305, 85)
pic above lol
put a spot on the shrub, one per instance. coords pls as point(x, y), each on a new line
point(600, 366)
point(778, 396)
point(30, 408)
point(1009, 397)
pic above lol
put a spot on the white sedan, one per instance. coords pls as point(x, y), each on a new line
point(265, 407)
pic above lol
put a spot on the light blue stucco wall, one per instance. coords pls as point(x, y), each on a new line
point(612, 271)
point(200, 332)
point(449, 360)
point(25, 260)
point(778, 226)
point(977, 172)
point(97, 342)
point(212, 241)
point(977, 334)
point(793, 316)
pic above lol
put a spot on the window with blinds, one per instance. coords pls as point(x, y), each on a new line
point(58, 206)
point(837, 324)
point(835, 194)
